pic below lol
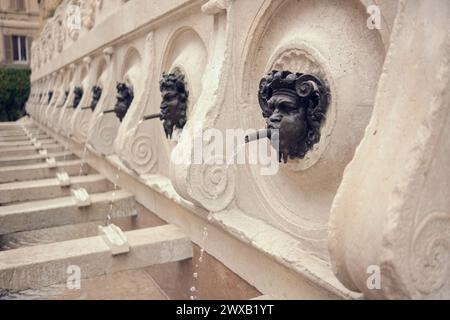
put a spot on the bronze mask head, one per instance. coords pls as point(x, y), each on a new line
point(96, 95)
point(173, 107)
point(77, 95)
point(50, 96)
point(66, 95)
point(295, 104)
point(125, 96)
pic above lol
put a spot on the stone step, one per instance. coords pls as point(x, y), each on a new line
point(22, 138)
point(45, 265)
point(35, 158)
point(13, 138)
point(15, 144)
point(14, 130)
point(6, 126)
point(29, 150)
point(50, 188)
point(11, 132)
point(24, 143)
point(17, 125)
point(63, 211)
point(42, 171)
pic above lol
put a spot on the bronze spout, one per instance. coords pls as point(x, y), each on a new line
point(152, 116)
point(109, 111)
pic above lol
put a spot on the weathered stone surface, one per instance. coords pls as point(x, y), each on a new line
point(42, 171)
point(21, 138)
point(81, 197)
point(50, 188)
point(391, 214)
point(29, 150)
point(10, 144)
point(30, 159)
point(115, 239)
point(43, 265)
point(62, 211)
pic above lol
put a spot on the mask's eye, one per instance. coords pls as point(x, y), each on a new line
point(271, 105)
point(288, 106)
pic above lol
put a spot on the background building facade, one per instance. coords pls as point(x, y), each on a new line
point(20, 24)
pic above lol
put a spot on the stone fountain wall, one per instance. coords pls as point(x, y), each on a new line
point(374, 189)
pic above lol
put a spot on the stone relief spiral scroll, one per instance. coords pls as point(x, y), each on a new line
point(141, 155)
point(212, 183)
point(84, 126)
point(430, 253)
point(107, 134)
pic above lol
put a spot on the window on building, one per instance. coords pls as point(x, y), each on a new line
point(17, 5)
point(16, 48)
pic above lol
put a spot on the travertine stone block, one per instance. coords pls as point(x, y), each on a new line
point(62, 211)
point(115, 238)
point(44, 265)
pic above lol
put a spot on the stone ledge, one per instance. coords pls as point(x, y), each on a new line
point(49, 188)
point(62, 211)
point(44, 265)
point(36, 158)
point(41, 171)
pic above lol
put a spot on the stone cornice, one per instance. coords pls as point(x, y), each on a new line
point(102, 35)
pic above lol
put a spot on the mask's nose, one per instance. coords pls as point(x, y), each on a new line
point(275, 117)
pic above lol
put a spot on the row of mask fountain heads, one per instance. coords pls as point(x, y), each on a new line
point(77, 96)
point(38, 97)
point(173, 108)
point(293, 104)
point(174, 103)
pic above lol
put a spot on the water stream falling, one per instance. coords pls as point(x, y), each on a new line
point(83, 157)
point(193, 291)
point(66, 148)
point(111, 206)
point(195, 275)
point(83, 160)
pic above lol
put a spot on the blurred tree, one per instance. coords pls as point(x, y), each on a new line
point(14, 92)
